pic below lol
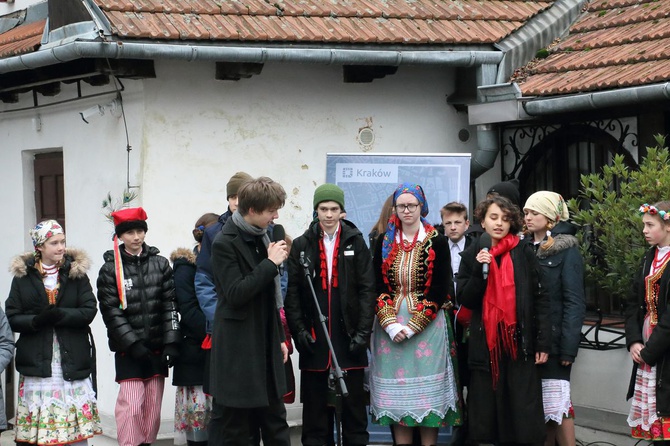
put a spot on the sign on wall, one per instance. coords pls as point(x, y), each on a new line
point(367, 180)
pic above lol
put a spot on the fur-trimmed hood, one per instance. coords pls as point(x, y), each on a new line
point(76, 259)
point(183, 253)
point(561, 243)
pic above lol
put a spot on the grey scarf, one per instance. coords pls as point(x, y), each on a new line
point(241, 223)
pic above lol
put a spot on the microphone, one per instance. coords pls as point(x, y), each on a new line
point(304, 261)
point(485, 244)
point(278, 234)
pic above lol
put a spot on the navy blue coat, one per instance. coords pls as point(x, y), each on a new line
point(190, 364)
point(563, 271)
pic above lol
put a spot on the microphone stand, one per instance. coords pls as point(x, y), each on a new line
point(337, 388)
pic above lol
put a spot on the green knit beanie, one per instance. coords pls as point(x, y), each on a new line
point(329, 192)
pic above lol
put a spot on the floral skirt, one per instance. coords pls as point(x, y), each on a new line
point(192, 412)
point(52, 411)
point(413, 383)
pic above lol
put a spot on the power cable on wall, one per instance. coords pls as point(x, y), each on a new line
point(129, 148)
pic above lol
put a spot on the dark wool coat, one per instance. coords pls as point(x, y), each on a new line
point(563, 270)
point(512, 413)
point(532, 304)
point(247, 368)
point(355, 291)
point(28, 297)
point(151, 313)
point(190, 364)
point(656, 351)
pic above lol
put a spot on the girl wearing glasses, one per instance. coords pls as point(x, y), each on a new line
point(412, 378)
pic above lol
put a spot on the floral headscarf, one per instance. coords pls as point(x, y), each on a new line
point(394, 221)
point(44, 231)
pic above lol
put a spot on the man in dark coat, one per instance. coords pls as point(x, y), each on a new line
point(341, 272)
point(247, 377)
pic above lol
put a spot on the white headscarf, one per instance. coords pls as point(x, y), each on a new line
point(44, 231)
point(549, 204)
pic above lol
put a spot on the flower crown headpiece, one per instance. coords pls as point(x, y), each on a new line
point(653, 210)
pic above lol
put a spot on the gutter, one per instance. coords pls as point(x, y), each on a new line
point(598, 100)
point(122, 50)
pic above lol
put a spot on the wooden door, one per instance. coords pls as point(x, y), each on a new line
point(49, 190)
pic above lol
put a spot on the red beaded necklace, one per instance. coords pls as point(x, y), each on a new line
point(659, 261)
point(408, 246)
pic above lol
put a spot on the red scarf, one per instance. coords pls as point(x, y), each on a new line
point(324, 264)
point(499, 309)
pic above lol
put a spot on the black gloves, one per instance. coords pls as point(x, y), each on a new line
point(358, 344)
point(170, 353)
point(48, 316)
point(304, 342)
point(139, 351)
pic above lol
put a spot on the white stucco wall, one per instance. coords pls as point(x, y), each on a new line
point(17, 5)
point(189, 133)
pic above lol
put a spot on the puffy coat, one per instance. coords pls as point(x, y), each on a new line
point(190, 365)
point(151, 313)
point(656, 351)
point(27, 297)
point(356, 293)
point(563, 271)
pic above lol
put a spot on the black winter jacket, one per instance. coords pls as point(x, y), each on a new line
point(28, 297)
point(356, 293)
point(563, 271)
point(190, 365)
point(532, 305)
point(151, 313)
point(656, 351)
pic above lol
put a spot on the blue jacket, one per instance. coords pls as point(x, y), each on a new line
point(205, 290)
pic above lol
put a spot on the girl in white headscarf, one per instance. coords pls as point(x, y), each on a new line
point(545, 217)
point(51, 305)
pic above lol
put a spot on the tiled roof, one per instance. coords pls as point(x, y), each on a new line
point(614, 44)
point(22, 39)
point(321, 21)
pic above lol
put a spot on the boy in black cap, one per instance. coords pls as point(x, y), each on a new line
point(342, 276)
point(137, 303)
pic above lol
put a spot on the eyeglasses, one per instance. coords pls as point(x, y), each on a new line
point(406, 207)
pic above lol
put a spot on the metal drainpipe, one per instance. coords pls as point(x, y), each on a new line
point(487, 150)
point(118, 50)
point(599, 100)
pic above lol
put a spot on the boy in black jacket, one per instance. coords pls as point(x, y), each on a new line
point(137, 302)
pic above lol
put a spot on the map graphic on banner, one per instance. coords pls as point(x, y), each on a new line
point(367, 180)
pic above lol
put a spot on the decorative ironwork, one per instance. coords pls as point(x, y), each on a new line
point(519, 146)
point(518, 142)
point(521, 138)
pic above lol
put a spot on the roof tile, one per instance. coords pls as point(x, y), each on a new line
point(615, 43)
point(22, 39)
point(409, 22)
